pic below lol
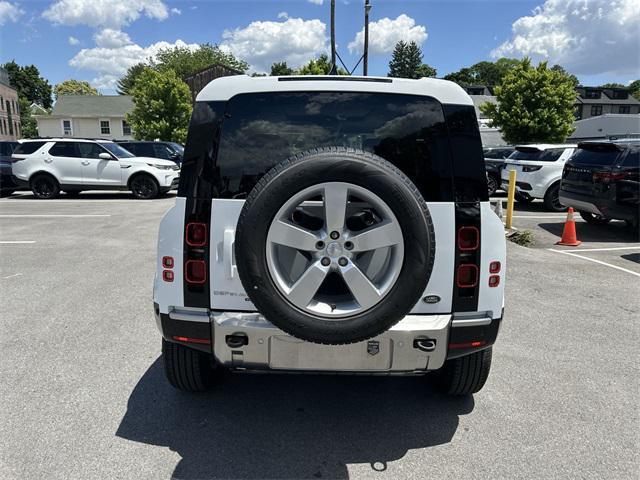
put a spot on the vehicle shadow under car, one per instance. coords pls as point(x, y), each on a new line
point(90, 195)
point(289, 426)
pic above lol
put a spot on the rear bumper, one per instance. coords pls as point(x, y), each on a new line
point(246, 341)
point(581, 203)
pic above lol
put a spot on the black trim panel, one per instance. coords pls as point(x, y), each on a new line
point(466, 299)
point(182, 328)
point(461, 335)
point(197, 210)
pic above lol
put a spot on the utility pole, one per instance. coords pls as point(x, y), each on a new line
point(334, 68)
point(365, 55)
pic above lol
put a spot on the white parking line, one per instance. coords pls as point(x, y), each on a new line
point(595, 261)
point(52, 216)
point(637, 247)
point(11, 276)
point(541, 216)
point(17, 241)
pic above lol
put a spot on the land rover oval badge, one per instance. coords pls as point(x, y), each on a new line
point(431, 299)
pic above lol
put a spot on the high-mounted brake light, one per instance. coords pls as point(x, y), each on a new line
point(196, 234)
point(195, 271)
point(494, 267)
point(467, 276)
point(468, 238)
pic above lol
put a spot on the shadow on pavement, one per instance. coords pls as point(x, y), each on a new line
point(289, 426)
point(632, 257)
point(90, 195)
point(611, 232)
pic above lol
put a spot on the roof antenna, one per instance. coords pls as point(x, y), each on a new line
point(365, 55)
point(334, 69)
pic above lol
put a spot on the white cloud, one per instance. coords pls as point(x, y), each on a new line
point(73, 41)
point(283, 15)
point(9, 12)
point(104, 13)
point(385, 33)
point(585, 37)
point(176, 11)
point(109, 38)
point(316, 2)
point(111, 62)
point(294, 40)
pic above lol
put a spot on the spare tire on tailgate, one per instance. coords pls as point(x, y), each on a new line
point(334, 245)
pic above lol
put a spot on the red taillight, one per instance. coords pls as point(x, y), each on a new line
point(468, 238)
point(467, 276)
point(494, 267)
point(196, 234)
point(203, 341)
point(494, 280)
point(195, 271)
point(167, 275)
point(167, 262)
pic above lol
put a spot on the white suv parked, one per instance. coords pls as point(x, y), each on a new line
point(539, 171)
point(331, 224)
point(48, 166)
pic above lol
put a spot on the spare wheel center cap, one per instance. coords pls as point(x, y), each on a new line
point(334, 249)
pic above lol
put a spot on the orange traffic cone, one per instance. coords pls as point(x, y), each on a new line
point(569, 236)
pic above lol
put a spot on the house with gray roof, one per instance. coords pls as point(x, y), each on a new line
point(88, 116)
point(596, 101)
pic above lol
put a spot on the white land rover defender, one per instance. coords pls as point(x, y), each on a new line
point(331, 224)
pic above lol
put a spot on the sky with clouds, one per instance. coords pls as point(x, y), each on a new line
point(97, 40)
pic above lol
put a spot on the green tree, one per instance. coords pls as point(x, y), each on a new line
point(634, 89)
point(74, 87)
point(560, 69)
point(319, 66)
point(184, 61)
point(29, 84)
point(28, 125)
point(126, 83)
point(483, 73)
point(534, 104)
point(612, 85)
point(406, 62)
point(162, 106)
point(281, 68)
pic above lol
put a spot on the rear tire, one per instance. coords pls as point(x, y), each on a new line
point(144, 187)
point(187, 369)
point(464, 375)
point(492, 184)
point(552, 199)
point(594, 219)
point(44, 186)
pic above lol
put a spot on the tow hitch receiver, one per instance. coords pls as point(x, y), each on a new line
point(424, 344)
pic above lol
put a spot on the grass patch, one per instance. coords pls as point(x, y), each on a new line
point(522, 237)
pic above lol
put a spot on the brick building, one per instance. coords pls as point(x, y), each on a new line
point(10, 128)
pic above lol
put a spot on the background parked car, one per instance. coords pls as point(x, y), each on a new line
point(7, 185)
point(165, 150)
point(602, 181)
point(539, 171)
point(494, 158)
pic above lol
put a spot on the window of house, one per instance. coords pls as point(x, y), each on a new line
point(1, 128)
point(592, 94)
point(1, 103)
point(67, 130)
point(620, 94)
point(624, 109)
point(105, 127)
point(596, 110)
point(126, 128)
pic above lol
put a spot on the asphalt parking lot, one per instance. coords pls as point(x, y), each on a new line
point(83, 393)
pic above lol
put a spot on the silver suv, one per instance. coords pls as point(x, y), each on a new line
point(331, 224)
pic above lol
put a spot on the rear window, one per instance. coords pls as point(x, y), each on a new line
point(590, 156)
point(262, 129)
point(6, 148)
point(533, 154)
point(28, 148)
point(498, 153)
